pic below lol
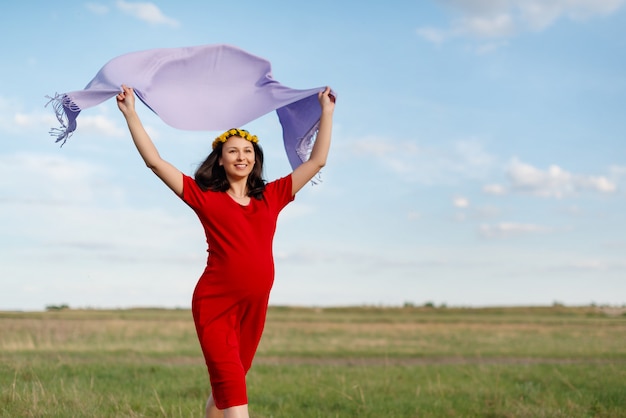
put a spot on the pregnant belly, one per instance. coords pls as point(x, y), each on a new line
point(240, 280)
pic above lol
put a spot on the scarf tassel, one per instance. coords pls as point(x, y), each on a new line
point(66, 112)
point(305, 143)
point(304, 147)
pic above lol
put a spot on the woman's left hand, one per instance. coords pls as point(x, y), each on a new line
point(327, 100)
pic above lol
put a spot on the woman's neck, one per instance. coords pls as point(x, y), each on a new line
point(238, 188)
point(238, 191)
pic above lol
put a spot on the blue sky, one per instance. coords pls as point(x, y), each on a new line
point(478, 154)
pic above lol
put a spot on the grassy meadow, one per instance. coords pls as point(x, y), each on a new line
point(332, 362)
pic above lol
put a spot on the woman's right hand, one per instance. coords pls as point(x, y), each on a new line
point(126, 100)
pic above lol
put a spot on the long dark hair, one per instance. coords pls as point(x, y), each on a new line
point(211, 175)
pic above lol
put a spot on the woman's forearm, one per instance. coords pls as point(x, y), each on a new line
point(319, 153)
point(142, 140)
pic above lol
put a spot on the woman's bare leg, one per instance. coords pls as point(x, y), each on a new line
point(211, 409)
point(240, 411)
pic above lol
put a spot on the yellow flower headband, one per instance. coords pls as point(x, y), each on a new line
point(242, 133)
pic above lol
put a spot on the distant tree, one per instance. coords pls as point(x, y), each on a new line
point(57, 307)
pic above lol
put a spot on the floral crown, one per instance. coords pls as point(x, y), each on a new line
point(242, 133)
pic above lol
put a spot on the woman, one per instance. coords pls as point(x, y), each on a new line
point(238, 212)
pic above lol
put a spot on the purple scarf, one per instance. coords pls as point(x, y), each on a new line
point(209, 87)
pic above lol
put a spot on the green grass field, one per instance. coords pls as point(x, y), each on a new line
point(340, 362)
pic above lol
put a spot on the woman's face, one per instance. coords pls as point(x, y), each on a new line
point(237, 157)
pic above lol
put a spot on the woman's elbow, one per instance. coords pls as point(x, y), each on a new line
point(319, 165)
point(154, 166)
point(319, 161)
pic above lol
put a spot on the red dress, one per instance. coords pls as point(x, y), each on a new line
point(230, 300)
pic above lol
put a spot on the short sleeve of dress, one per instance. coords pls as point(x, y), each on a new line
point(192, 194)
point(278, 192)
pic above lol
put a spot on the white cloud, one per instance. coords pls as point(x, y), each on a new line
point(61, 180)
point(395, 155)
point(434, 35)
point(62, 207)
point(499, 19)
point(97, 8)
point(494, 189)
point(428, 165)
point(413, 216)
point(555, 181)
point(509, 229)
point(147, 12)
point(460, 202)
point(38, 121)
point(617, 173)
point(12, 121)
point(296, 210)
point(100, 124)
point(381, 147)
point(22, 120)
point(486, 212)
point(496, 26)
point(7, 115)
point(618, 170)
point(475, 213)
point(539, 14)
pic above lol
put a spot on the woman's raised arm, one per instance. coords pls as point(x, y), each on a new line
point(308, 169)
point(170, 175)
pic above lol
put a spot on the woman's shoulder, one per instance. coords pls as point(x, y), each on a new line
point(189, 182)
point(281, 181)
point(279, 189)
point(194, 193)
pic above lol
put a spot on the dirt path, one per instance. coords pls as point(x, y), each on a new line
point(371, 361)
point(377, 361)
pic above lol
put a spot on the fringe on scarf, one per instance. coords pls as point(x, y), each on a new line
point(304, 148)
point(61, 104)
